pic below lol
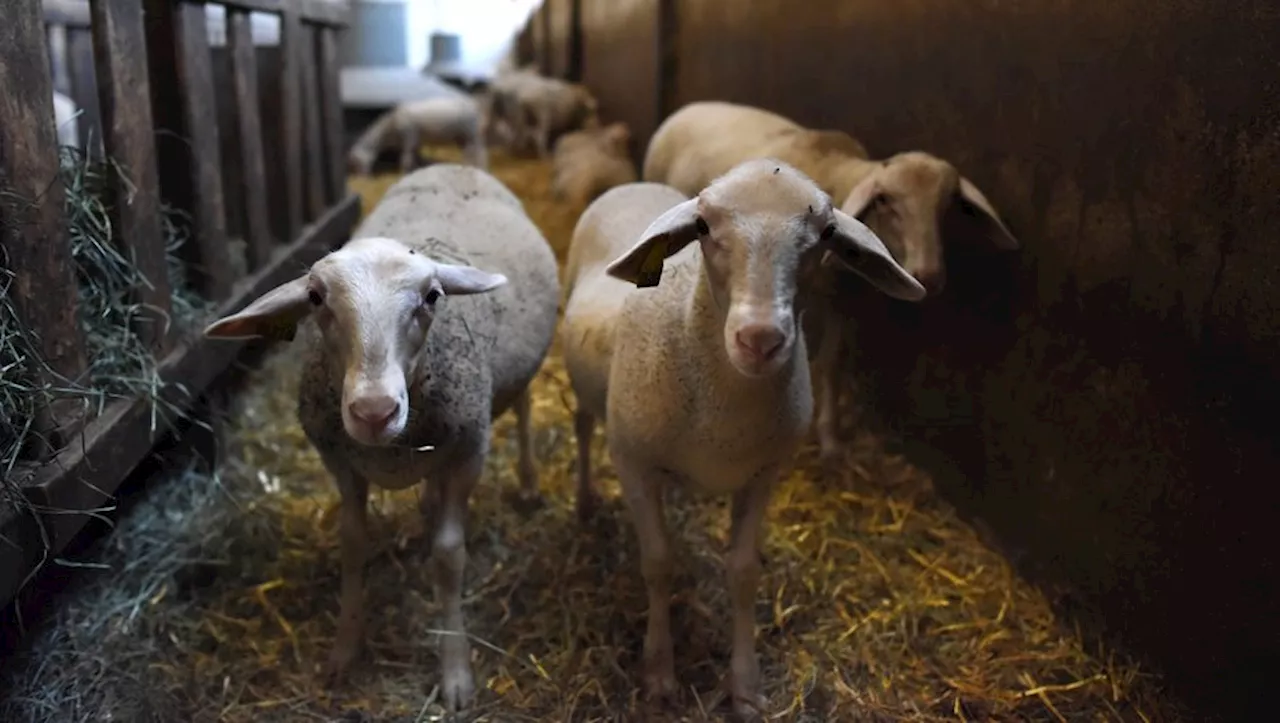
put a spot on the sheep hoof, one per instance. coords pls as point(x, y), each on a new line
point(830, 456)
point(660, 683)
point(457, 687)
point(525, 501)
point(749, 707)
point(587, 507)
point(743, 687)
point(333, 674)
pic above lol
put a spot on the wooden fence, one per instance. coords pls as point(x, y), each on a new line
point(259, 155)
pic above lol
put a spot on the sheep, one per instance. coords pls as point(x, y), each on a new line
point(426, 326)
point(706, 380)
point(587, 163)
point(443, 119)
point(541, 107)
point(702, 140)
point(904, 199)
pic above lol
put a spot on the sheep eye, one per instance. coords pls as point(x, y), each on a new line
point(431, 297)
point(828, 232)
point(315, 297)
point(703, 228)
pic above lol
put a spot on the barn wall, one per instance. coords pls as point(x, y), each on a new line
point(621, 64)
point(559, 37)
point(1106, 400)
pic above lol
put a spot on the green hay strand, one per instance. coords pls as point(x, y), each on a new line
point(119, 364)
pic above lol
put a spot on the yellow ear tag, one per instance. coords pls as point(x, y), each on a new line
point(651, 267)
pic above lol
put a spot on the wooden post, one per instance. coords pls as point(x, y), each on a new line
point(32, 214)
point(124, 96)
point(313, 160)
point(331, 99)
point(190, 166)
point(291, 117)
point(244, 79)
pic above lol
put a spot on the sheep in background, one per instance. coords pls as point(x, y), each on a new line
point(422, 329)
point(587, 163)
point(707, 380)
point(441, 120)
point(913, 201)
point(540, 109)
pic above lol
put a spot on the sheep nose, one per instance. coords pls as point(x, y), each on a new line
point(377, 412)
point(763, 341)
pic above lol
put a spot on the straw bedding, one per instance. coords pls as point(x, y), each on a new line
point(218, 592)
point(119, 363)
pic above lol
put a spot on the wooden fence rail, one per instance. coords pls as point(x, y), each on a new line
point(143, 73)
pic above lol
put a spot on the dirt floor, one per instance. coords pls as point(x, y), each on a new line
point(216, 596)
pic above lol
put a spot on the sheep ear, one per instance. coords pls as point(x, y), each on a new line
point(979, 212)
point(274, 315)
point(670, 232)
point(857, 248)
point(463, 280)
point(859, 199)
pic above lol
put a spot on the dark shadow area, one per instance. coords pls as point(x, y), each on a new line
point(196, 440)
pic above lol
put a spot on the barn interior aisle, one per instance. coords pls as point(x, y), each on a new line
point(215, 596)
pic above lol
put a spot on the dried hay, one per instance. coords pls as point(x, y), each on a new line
point(877, 603)
point(120, 365)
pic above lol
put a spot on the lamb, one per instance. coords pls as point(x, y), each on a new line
point(422, 329)
point(541, 107)
point(451, 119)
point(708, 386)
point(907, 199)
point(589, 162)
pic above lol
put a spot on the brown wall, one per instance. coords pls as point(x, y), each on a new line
point(559, 37)
point(1106, 401)
point(620, 62)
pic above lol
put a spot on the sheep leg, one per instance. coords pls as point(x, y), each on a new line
point(476, 152)
point(643, 490)
point(354, 542)
point(742, 565)
point(526, 470)
point(826, 366)
point(584, 426)
point(544, 132)
point(410, 140)
point(449, 556)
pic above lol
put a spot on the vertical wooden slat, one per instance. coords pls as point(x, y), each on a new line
point(313, 157)
point(124, 95)
point(291, 116)
point(195, 68)
point(179, 62)
point(331, 98)
point(172, 157)
point(268, 58)
point(84, 89)
point(244, 80)
point(228, 147)
point(32, 224)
